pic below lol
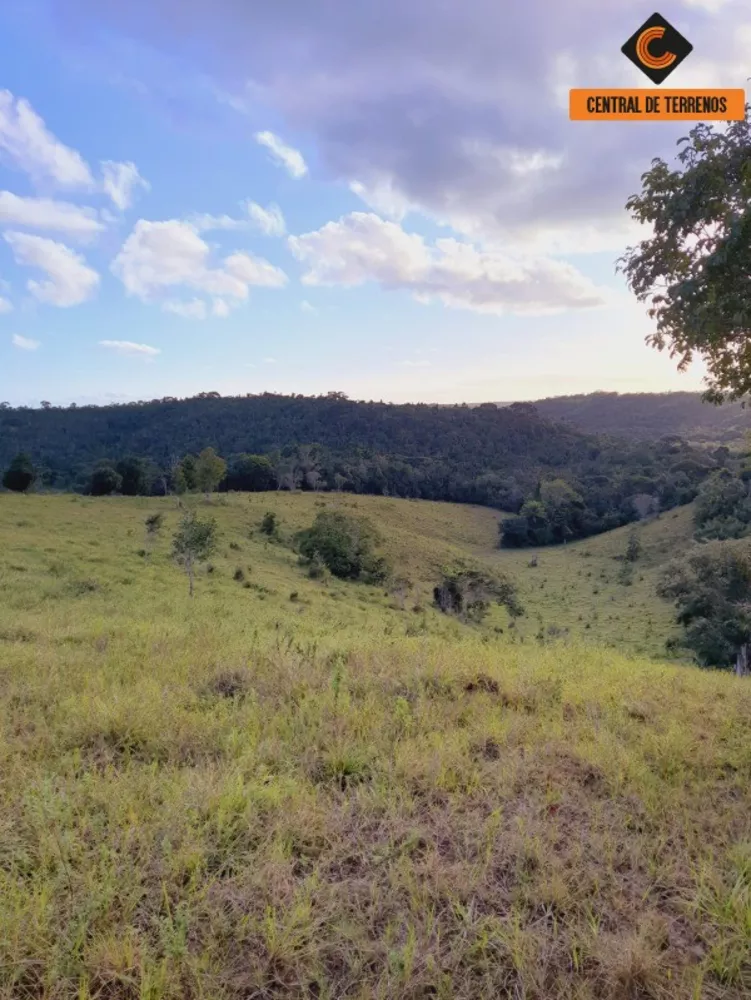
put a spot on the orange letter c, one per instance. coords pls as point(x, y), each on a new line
point(643, 42)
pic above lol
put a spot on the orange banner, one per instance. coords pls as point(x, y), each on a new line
point(613, 104)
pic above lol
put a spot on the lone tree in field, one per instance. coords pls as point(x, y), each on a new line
point(712, 591)
point(210, 470)
point(20, 474)
point(194, 541)
point(270, 524)
point(694, 270)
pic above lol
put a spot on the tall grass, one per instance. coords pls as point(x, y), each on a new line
point(247, 796)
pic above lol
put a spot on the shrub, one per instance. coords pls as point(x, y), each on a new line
point(345, 546)
point(468, 594)
point(270, 524)
point(20, 474)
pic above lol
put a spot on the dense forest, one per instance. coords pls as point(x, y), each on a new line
point(649, 416)
point(560, 482)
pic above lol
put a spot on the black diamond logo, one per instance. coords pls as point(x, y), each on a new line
point(657, 48)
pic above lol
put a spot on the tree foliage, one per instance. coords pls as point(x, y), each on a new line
point(20, 474)
point(345, 545)
point(712, 591)
point(193, 542)
point(694, 269)
point(134, 476)
point(251, 474)
point(509, 458)
point(723, 507)
point(209, 470)
point(105, 479)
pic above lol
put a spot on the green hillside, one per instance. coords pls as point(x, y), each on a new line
point(576, 587)
point(647, 416)
point(288, 787)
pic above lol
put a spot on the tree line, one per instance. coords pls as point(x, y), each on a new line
point(590, 486)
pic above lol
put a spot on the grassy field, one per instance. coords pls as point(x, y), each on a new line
point(576, 589)
point(288, 788)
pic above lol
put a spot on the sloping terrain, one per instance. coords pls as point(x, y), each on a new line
point(647, 416)
point(578, 588)
point(289, 788)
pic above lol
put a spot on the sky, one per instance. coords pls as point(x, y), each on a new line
point(385, 199)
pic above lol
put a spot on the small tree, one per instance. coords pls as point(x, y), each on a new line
point(20, 474)
point(712, 591)
point(188, 469)
point(193, 542)
point(270, 524)
point(105, 479)
point(633, 547)
point(210, 470)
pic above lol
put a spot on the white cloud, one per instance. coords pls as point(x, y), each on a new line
point(70, 281)
point(220, 308)
point(269, 361)
point(128, 349)
point(363, 247)
point(415, 364)
point(44, 213)
point(25, 343)
point(26, 143)
point(285, 156)
point(418, 107)
point(384, 198)
point(269, 220)
point(162, 255)
point(195, 309)
point(5, 305)
point(308, 307)
point(120, 181)
point(206, 223)
point(255, 271)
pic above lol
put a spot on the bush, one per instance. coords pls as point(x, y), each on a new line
point(345, 546)
point(270, 525)
point(104, 480)
point(468, 594)
point(20, 474)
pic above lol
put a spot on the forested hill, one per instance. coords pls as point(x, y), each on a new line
point(565, 483)
point(649, 416)
point(468, 438)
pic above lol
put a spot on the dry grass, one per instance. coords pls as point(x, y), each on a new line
point(248, 797)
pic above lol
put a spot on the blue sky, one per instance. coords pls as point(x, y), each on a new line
point(210, 196)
